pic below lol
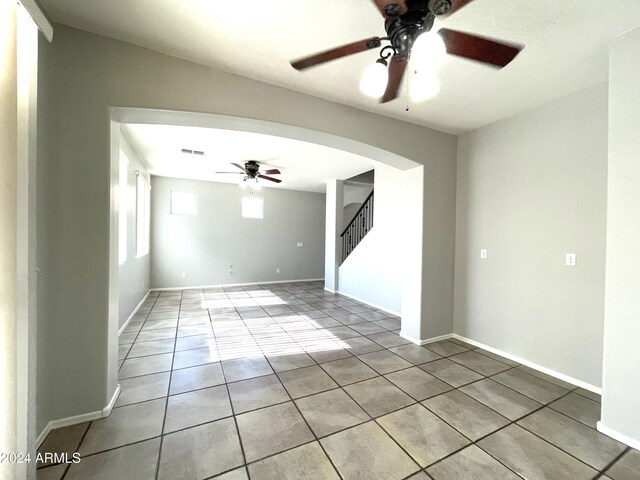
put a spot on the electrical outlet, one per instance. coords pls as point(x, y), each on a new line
point(183, 275)
point(231, 273)
point(571, 259)
point(299, 244)
point(231, 266)
point(483, 253)
point(277, 270)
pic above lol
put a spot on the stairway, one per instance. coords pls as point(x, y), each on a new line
point(358, 227)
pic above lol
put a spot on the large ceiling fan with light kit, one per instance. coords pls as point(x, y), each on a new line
point(251, 171)
point(409, 25)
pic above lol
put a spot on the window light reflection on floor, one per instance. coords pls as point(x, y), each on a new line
point(235, 337)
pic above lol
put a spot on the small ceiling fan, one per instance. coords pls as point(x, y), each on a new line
point(251, 170)
point(408, 24)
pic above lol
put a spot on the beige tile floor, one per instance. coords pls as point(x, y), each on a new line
point(288, 381)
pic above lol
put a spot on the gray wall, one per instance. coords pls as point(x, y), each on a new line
point(203, 246)
point(531, 189)
point(134, 274)
point(621, 381)
point(85, 74)
point(374, 269)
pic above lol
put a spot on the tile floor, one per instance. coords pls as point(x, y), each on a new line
point(289, 382)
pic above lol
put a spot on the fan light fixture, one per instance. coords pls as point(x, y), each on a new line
point(247, 183)
point(427, 56)
point(428, 53)
point(375, 78)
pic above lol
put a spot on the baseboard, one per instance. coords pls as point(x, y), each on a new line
point(366, 302)
point(106, 411)
point(535, 366)
point(85, 417)
point(270, 282)
point(427, 341)
point(66, 422)
point(329, 290)
point(621, 437)
point(135, 310)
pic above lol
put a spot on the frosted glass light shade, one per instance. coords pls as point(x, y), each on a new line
point(374, 80)
point(424, 86)
point(428, 52)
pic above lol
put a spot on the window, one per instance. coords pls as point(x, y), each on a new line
point(252, 207)
point(143, 215)
point(184, 203)
point(122, 208)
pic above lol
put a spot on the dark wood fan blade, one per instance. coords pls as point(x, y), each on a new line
point(269, 178)
point(457, 5)
point(335, 53)
point(273, 171)
point(391, 8)
point(397, 67)
point(234, 173)
point(480, 49)
point(239, 166)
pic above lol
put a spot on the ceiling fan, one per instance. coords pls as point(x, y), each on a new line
point(251, 170)
point(408, 25)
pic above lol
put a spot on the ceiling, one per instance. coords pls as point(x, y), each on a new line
point(304, 166)
point(565, 47)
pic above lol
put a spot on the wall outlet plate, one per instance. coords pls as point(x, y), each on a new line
point(571, 260)
point(483, 253)
point(299, 244)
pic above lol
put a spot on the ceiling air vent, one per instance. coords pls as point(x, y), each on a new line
point(188, 151)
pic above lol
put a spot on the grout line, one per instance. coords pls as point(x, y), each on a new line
point(613, 462)
point(235, 419)
point(290, 335)
point(166, 404)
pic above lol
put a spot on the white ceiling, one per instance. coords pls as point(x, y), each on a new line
point(304, 166)
point(566, 47)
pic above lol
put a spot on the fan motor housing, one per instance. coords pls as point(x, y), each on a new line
point(404, 30)
point(252, 168)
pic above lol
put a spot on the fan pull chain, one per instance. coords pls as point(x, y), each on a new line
point(406, 90)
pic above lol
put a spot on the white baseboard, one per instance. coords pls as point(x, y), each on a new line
point(535, 366)
point(135, 310)
point(106, 411)
point(85, 417)
point(329, 290)
point(66, 422)
point(366, 302)
point(621, 437)
point(165, 289)
point(427, 341)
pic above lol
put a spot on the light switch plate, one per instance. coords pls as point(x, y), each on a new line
point(483, 253)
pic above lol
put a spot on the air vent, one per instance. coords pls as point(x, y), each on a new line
point(188, 151)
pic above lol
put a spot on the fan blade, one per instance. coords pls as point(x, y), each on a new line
point(479, 49)
point(241, 168)
point(391, 8)
point(234, 173)
point(273, 171)
point(335, 53)
point(397, 67)
point(457, 5)
point(269, 178)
